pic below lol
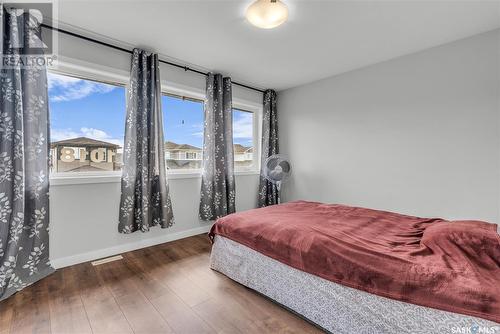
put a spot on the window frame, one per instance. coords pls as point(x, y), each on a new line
point(239, 105)
point(187, 172)
point(83, 70)
point(57, 178)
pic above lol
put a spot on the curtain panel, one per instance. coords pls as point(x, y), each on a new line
point(24, 161)
point(217, 186)
point(145, 198)
point(268, 192)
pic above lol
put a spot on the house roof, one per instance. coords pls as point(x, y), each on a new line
point(169, 145)
point(86, 168)
point(83, 141)
point(242, 149)
point(174, 146)
point(238, 148)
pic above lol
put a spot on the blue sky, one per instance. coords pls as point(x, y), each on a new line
point(84, 108)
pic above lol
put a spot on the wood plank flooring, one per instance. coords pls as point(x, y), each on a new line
point(167, 288)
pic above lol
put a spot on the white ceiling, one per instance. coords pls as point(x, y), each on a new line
point(321, 38)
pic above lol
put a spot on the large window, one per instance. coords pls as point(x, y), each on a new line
point(87, 121)
point(183, 128)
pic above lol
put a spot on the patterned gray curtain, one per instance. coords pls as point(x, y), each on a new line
point(268, 193)
point(217, 185)
point(145, 199)
point(24, 163)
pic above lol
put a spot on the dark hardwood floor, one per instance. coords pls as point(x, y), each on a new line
point(167, 288)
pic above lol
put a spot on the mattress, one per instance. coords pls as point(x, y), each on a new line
point(453, 266)
point(331, 306)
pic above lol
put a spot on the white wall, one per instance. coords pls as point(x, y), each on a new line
point(84, 217)
point(418, 134)
point(102, 58)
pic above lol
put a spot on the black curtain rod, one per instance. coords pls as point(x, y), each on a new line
point(185, 68)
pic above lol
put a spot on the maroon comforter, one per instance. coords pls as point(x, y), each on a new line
point(431, 262)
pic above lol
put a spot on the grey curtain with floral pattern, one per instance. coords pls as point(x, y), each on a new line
point(268, 192)
point(145, 199)
point(24, 162)
point(217, 184)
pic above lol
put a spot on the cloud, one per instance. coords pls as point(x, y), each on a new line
point(198, 126)
point(64, 88)
point(62, 81)
point(243, 125)
point(62, 134)
point(94, 133)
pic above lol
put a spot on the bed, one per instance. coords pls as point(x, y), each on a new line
point(349, 269)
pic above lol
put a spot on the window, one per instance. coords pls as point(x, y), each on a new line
point(87, 122)
point(183, 131)
point(183, 128)
point(243, 139)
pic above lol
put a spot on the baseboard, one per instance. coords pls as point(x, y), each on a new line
point(105, 252)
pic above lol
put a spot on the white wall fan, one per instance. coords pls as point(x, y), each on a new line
point(277, 170)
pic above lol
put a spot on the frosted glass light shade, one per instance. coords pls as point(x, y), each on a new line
point(267, 14)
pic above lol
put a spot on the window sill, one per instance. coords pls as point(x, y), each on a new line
point(61, 180)
point(87, 178)
point(247, 172)
point(197, 174)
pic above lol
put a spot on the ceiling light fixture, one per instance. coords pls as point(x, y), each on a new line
point(267, 14)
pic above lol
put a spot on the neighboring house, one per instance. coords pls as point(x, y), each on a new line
point(243, 156)
point(182, 156)
point(84, 155)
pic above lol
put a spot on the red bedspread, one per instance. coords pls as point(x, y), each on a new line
point(431, 262)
